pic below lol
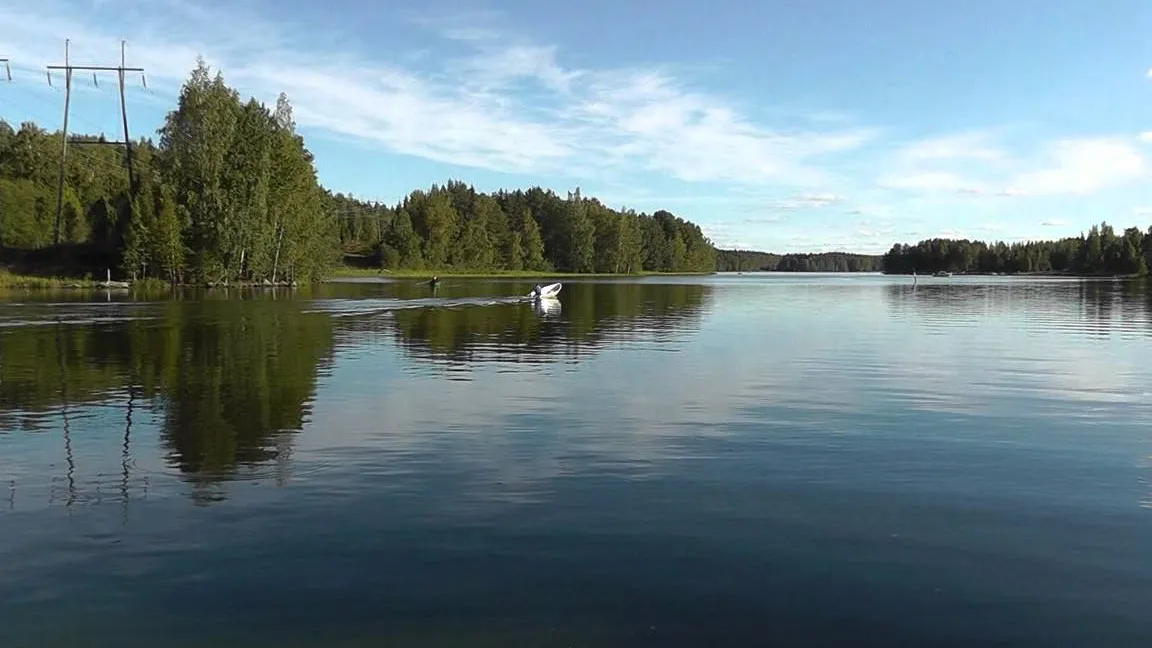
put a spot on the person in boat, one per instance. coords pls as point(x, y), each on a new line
point(435, 281)
point(537, 291)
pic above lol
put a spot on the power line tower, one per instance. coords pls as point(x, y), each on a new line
point(8, 76)
point(68, 68)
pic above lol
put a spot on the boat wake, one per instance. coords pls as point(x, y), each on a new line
point(357, 307)
point(543, 299)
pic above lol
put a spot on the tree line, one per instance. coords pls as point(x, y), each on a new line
point(454, 226)
point(748, 261)
point(229, 193)
point(1102, 251)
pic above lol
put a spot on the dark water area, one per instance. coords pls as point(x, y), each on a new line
point(808, 460)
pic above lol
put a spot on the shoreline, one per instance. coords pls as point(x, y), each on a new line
point(1070, 275)
point(351, 273)
point(19, 281)
point(22, 281)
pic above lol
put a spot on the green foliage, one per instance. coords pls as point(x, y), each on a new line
point(1100, 252)
point(229, 193)
point(452, 227)
point(9, 280)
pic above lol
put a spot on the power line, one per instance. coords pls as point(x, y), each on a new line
point(68, 69)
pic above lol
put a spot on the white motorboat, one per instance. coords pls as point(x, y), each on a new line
point(545, 292)
point(546, 307)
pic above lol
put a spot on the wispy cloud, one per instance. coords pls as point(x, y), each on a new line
point(935, 181)
point(764, 220)
point(472, 92)
point(1054, 223)
point(875, 210)
point(1082, 166)
point(808, 201)
point(973, 165)
point(1010, 193)
point(505, 104)
point(969, 145)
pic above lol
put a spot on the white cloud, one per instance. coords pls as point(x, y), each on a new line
point(485, 98)
point(1083, 166)
point(971, 145)
point(1054, 223)
point(831, 116)
point(652, 117)
point(880, 211)
point(1010, 193)
point(1142, 211)
point(939, 164)
point(506, 105)
point(1071, 166)
point(470, 33)
point(808, 201)
point(928, 181)
point(498, 68)
point(764, 220)
point(1146, 137)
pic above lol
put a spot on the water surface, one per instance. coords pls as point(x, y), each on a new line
point(743, 459)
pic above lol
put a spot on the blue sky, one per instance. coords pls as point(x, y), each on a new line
point(776, 125)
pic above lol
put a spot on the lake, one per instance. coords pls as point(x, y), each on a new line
point(759, 459)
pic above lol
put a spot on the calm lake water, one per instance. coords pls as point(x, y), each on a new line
point(728, 460)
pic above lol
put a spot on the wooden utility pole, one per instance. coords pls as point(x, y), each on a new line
point(124, 117)
point(127, 143)
point(63, 142)
point(8, 75)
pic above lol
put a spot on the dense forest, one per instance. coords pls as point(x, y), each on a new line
point(454, 226)
point(229, 192)
point(747, 261)
point(1101, 251)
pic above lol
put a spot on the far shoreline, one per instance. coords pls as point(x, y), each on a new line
point(367, 273)
point(29, 281)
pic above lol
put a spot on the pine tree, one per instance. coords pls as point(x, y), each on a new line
point(533, 244)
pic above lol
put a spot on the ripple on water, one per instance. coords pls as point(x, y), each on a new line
point(991, 440)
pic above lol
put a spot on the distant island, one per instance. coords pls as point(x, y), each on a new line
point(1100, 252)
point(752, 261)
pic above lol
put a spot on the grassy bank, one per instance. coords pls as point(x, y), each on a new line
point(15, 281)
point(10, 280)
